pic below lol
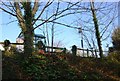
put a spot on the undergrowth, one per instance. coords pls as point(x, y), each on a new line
point(59, 67)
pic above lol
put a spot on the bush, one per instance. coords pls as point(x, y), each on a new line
point(116, 38)
point(114, 57)
point(41, 67)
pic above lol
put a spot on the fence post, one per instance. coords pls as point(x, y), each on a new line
point(6, 44)
point(92, 53)
point(87, 53)
point(96, 53)
point(64, 50)
point(74, 50)
point(83, 52)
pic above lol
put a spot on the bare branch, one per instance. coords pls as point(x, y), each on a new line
point(47, 4)
point(106, 27)
point(8, 12)
point(60, 12)
point(87, 40)
point(68, 8)
point(12, 5)
point(19, 15)
point(106, 36)
point(35, 8)
point(47, 21)
point(10, 22)
point(8, 6)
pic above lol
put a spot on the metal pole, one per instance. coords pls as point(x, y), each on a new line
point(81, 33)
point(82, 42)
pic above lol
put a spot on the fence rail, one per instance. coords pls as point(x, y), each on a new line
point(13, 43)
point(46, 47)
point(93, 52)
point(88, 52)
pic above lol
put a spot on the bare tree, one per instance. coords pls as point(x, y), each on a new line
point(30, 16)
point(99, 18)
point(25, 13)
point(97, 32)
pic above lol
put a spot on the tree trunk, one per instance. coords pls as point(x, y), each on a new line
point(28, 43)
point(97, 30)
point(28, 33)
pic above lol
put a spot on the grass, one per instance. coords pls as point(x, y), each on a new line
point(58, 67)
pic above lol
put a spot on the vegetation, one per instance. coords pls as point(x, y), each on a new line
point(25, 21)
point(115, 54)
point(59, 66)
point(116, 38)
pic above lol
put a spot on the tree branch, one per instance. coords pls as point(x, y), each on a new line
point(47, 21)
point(35, 8)
point(19, 16)
point(47, 4)
point(106, 27)
point(60, 12)
point(10, 22)
point(8, 12)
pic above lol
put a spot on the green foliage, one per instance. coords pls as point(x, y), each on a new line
point(47, 68)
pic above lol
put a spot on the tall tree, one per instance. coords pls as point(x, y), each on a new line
point(97, 32)
point(25, 21)
point(28, 31)
point(99, 19)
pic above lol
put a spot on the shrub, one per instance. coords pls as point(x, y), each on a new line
point(116, 38)
point(114, 57)
point(47, 68)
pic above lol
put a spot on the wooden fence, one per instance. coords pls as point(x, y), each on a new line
point(47, 48)
point(90, 52)
point(83, 52)
point(13, 43)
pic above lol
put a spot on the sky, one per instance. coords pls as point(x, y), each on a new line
point(69, 0)
point(68, 36)
point(12, 30)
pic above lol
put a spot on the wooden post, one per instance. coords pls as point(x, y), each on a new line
point(96, 53)
point(87, 53)
point(92, 53)
point(74, 50)
point(64, 50)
